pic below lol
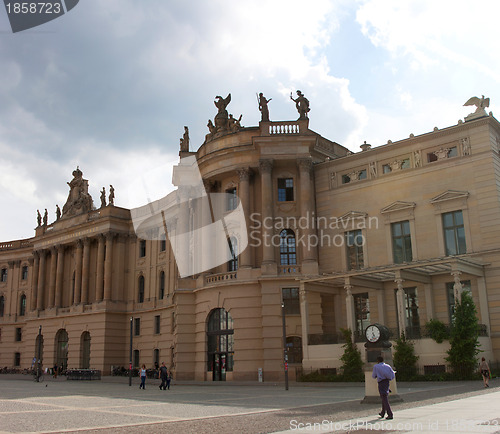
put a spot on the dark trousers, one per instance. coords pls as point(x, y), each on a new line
point(143, 382)
point(383, 390)
point(168, 383)
point(163, 384)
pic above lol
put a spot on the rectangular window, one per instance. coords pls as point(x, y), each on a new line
point(450, 296)
point(172, 322)
point(401, 242)
point(137, 326)
point(19, 334)
point(454, 233)
point(142, 248)
point(291, 301)
point(136, 358)
point(163, 243)
point(157, 324)
point(354, 247)
point(24, 274)
point(231, 199)
point(285, 189)
point(361, 312)
point(17, 359)
point(412, 317)
point(3, 275)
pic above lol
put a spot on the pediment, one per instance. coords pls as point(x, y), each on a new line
point(353, 215)
point(450, 195)
point(398, 206)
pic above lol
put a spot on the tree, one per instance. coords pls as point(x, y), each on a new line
point(405, 360)
point(464, 343)
point(352, 364)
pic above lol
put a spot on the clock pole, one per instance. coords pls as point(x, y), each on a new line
point(377, 344)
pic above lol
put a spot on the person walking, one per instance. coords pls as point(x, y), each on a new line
point(163, 376)
point(384, 374)
point(484, 368)
point(169, 378)
point(143, 377)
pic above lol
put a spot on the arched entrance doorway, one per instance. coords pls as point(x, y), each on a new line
point(220, 343)
point(85, 351)
point(62, 349)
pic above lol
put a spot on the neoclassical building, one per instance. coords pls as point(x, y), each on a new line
point(332, 240)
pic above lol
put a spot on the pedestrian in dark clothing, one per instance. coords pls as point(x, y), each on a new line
point(163, 376)
point(384, 374)
point(169, 379)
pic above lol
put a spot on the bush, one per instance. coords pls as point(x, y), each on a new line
point(352, 363)
point(405, 360)
point(464, 341)
point(437, 330)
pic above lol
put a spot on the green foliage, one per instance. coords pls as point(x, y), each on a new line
point(464, 341)
point(437, 330)
point(352, 363)
point(405, 360)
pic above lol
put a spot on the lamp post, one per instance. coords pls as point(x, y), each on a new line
point(130, 354)
point(285, 355)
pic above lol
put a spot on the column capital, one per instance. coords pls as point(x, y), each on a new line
point(244, 173)
point(348, 290)
point(266, 165)
point(305, 164)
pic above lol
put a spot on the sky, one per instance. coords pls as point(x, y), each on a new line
point(110, 85)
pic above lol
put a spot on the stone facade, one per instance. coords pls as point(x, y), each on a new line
point(426, 209)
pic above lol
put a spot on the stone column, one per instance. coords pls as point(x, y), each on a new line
point(457, 286)
point(268, 254)
point(304, 317)
point(119, 280)
point(34, 280)
point(400, 306)
point(206, 220)
point(52, 276)
point(99, 284)
point(41, 281)
point(484, 313)
point(85, 271)
point(429, 301)
point(78, 272)
point(59, 276)
point(349, 304)
point(108, 265)
point(184, 240)
point(309, 249)
point(245, 258)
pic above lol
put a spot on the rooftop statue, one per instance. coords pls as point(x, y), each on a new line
point(221, 117)
point(302, 104)
point(480, 103)
point(79, 200)
point(111, 195)
point(185, 140)
point(264, 109)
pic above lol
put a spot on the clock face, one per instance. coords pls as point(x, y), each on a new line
point(372, 333)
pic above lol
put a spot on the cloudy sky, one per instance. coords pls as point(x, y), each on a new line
point(110, 85)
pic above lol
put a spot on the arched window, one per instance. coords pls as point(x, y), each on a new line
point(220, 339)
point(288, 252)
point(22, 305)
point(161, 293)
point(2, 305)
point(62, 349)
point(232, 264)
point(156, 358)
point(85, 350)
point(141, 289)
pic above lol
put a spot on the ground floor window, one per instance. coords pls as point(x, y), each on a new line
point(85, 350)
point(220, 343)
point(294, 349)
point(62, 349)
